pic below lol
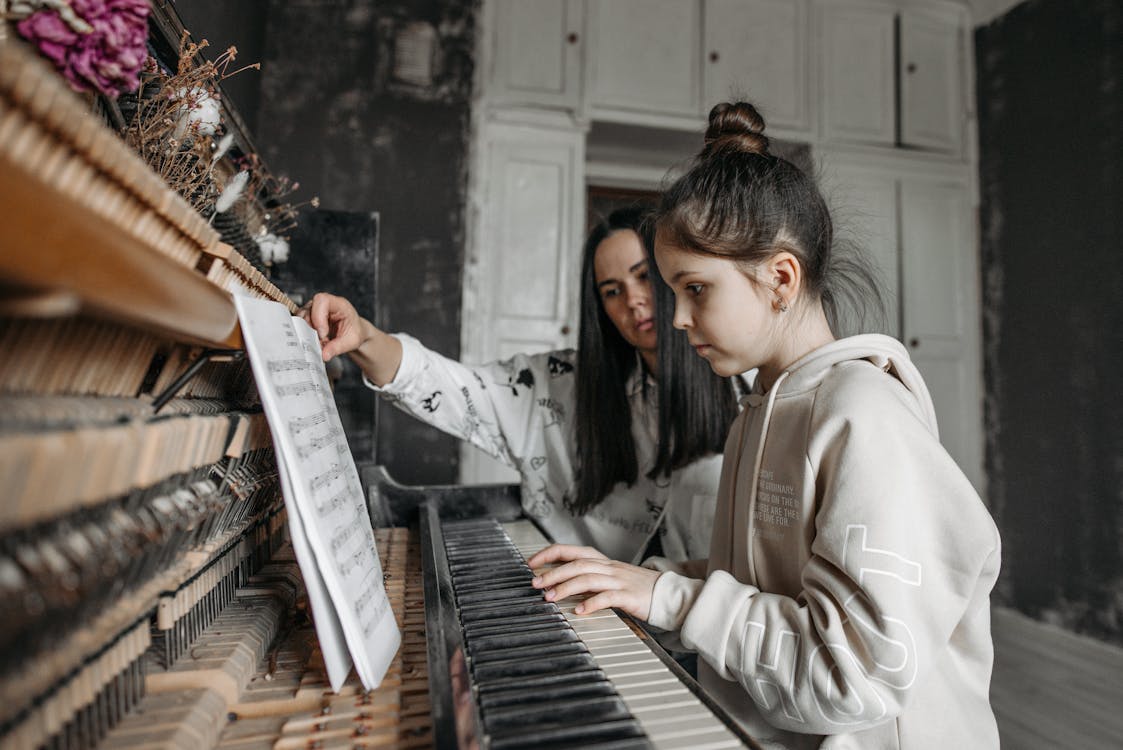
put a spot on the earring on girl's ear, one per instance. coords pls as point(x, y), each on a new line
point(781, 303)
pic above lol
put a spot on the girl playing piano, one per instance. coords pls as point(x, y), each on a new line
point(845, 602)
point(601, 463)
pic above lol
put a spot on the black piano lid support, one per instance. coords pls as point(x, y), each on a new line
point(169, 392)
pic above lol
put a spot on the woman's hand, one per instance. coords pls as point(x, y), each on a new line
point(336, 322)
point(343, 331)
point(584, 570)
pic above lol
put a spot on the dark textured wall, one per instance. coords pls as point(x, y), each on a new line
point(336, 108)
point(225, 24)
point(1050, 101)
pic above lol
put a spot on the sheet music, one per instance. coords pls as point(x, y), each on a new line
point(328, 520)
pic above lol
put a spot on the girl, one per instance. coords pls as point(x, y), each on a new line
point(600, 463)
point(849, 574)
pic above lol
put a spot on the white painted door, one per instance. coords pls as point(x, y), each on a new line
point(522, 267)
point(941, 310)
point(931, 76)
point(535, 52)
point(757, 50)
point(644, 56)
point(858, 98)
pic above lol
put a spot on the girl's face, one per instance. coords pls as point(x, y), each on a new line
point(620, 271)
point(728, 318)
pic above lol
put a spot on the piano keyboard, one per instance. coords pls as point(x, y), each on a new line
point(545, 677)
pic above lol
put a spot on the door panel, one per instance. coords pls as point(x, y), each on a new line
point(536, 52)
point(858, 74)
point(941, 311)
point(758, 49)
point(645, 55)
point(521, 278)
point(931, 81)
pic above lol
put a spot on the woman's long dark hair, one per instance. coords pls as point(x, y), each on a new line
point(696, 406)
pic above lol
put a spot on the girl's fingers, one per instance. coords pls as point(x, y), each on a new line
point(580, 584)
point(550, 577)
point(609, 584)
point(597, 602)
point(563, 553)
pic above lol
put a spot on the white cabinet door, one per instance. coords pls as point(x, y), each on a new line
point(521, 273)
point(941, 316)
point(757, 50)
point(644, 56)
point(857, 59)
point(536, 52)
point(931, 75)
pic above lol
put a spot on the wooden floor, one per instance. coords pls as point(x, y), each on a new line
point(1053, 689)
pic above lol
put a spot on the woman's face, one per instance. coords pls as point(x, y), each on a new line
point(728, 317)
point(620, 270)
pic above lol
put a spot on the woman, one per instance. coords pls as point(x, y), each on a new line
point(600, 463)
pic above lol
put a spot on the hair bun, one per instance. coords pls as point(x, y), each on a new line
point(737, 123)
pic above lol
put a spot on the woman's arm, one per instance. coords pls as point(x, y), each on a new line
point(503, 408)
point(343, 331)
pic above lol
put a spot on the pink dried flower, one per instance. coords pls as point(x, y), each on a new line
point(109, 58)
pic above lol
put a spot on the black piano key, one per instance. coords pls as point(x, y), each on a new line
point(523, 697)
point(548, 651)
point(475, 566)
point(560, 713)
point(486, 583)
point(495, 595)
point(529, 683)
point(515, 625)
point(506, 609)
point(526, 667)
point(507, 612)
point(581, 735)
point(521, 638)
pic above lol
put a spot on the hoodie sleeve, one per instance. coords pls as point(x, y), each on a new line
point(500, 407)
point(903, 553)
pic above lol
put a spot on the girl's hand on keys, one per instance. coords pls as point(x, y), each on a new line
point(586, 571)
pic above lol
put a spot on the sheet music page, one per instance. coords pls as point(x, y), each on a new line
point(323, 495)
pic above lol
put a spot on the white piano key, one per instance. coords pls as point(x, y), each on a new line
point(640, 704)
point(614, 643)
point(600, 625)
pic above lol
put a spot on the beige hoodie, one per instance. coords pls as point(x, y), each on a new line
point(850, 570)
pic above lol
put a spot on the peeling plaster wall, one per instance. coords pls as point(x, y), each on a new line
point(1050, 102)
point(366, 115)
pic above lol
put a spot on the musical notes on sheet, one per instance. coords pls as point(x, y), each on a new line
point(287, 365)
point(297, 389)
point(298, 425)
point(328, 518)
point(319, 442)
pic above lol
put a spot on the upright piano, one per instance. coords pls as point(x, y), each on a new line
point(151, 597)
